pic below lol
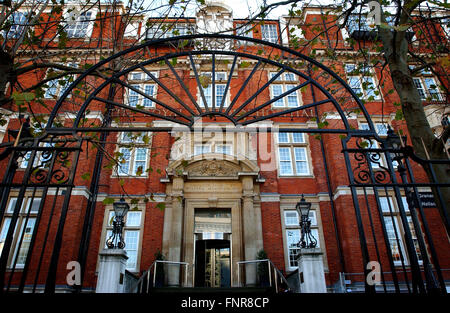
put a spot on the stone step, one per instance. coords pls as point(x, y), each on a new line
point(211, 290)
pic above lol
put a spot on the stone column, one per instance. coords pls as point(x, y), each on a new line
point(111, 271)
point(311, 271)
point(174, 254)
point(250, 234)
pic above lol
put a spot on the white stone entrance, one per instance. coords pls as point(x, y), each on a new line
point(212, 183)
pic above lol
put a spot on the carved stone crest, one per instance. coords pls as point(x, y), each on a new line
point(213, 168)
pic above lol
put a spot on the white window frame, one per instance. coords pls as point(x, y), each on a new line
point(142, 84)
point(291, 145)
point(424, 89)
point(159, 30)
point(219, 83)
point(295, 226)
point(245, 31)
point(395, 215)
point(126, 230)
point(132, 29)
point(217, 145)
point(203, 150)
point(359, 78)
point(75, 13)
point(38, 159)
point(15, 250)
point(133, 162)
point(375, 145)
point(269, 32)
point(285, 81)
point(17, 26)
point(59, 84)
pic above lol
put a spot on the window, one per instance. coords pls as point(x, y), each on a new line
point(293, 238)
point(23, 229)
point(159, 30)
point(201, 149)
point(220, 84)
point(381, 129)
point(395, 231)
point(358, 23)
point(427, 87)
point(224, 149)
point(445, 23)
point(269, 32)
point(291, 218)
point(132, 29)
point(41, 159)
point(362, 82)
point(131, 233)
point(141, 81)
point(56, 87)
point(17, 22)
point(79, 24)
point(133, 159)
point(292, 154)
point(282, 84)
point(245, 31)
point(293, 234)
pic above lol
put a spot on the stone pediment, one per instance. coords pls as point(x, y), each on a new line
point(214, 166)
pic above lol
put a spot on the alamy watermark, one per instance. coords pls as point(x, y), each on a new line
point(73, 278)
point(374, 276)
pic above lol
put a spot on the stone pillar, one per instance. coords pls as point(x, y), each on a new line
point(111, 271)
point(250, 234)
point(311, 272)
point(174, 254)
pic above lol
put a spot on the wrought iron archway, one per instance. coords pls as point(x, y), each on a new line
point(53, 157)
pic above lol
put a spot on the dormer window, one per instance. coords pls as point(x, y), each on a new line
point(158, 30)
point(269, 33)
point(79, 25)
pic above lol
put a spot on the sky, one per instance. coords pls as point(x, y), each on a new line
point(243, 8)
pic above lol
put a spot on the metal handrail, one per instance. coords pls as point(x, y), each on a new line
point(271, 267)
point(147, 273)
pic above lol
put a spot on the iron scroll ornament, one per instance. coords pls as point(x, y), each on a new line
point(51, 163)
point(370, 169)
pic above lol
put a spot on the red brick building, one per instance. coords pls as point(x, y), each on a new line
point(214, 198)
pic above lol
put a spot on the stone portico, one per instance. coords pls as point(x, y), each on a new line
point(213, 181)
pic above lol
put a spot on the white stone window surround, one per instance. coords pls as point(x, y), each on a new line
point(18, 21)
point(55, 87)
point(367, 77)
point(133, 29)
point(293, 155)
point(29, 206)
point(80, 25)
point(133, 157)
point(282, 84)
point(292, 233)
point(220, 85)
point(391, 217)
point(269, 32)
point(381, 129)
point(142, 81)
point(428, 87)
point(132, 233)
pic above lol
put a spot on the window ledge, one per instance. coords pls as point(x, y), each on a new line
point(296, 176)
